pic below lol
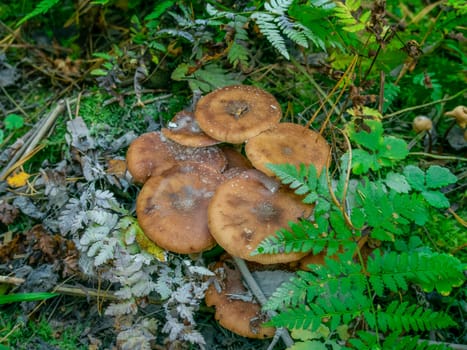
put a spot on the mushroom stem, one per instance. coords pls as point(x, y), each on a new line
point(259, 295)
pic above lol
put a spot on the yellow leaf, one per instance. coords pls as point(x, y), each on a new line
point(149, 246)
point(17, 179)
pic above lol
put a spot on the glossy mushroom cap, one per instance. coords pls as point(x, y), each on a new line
point(148, 155)
point(241, 317)
point(422, 123)
point(184, 129)
point(243, 212)
point(172, 208)
point(236, 113)
point(287, 143)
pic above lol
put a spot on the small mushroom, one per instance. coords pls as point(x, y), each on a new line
point(243, 212)
point(236, 310)
point(184, 129)
point(287, 143)
point(460, 115)
point(424, 124)
point(148, 155)
point(172, 208)
point(236, 113)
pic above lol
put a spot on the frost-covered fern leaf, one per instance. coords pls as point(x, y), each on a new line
point(275, 24)
point(178, 33)
point(138, 336)
point(73, 218)
point(105, 199)
point(127, 307)
point(278, 7)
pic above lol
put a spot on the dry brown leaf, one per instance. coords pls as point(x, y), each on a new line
point(8, 213)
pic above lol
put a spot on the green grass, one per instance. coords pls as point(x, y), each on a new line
point(18, 334)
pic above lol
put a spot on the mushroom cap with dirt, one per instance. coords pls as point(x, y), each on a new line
point(287, 143)
point(184, 129)
point(244, 211)
point(240, 316)
point(151, 154)
point(172, 208)
point(236, 113)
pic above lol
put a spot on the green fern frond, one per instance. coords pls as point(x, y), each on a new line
point(334, 277)
point(41, 8)
point(369, 341)
point(431, 271)
point(291, 30)
point(343, 11)
point(333, 309)
point(404, 317)
point(237, 54)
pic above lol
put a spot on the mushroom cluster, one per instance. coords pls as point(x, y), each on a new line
point(198, 190)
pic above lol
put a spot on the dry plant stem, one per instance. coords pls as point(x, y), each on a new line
point(259, 295)
point(29, 146)
point(332, 92)
point(435, 156)
point(347, 73)
point(66, 289)
point(409, 109)
point(14, 102)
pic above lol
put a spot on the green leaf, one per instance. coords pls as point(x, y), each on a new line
point(437, 176)
point(14, 122)
point(397, 182)
point(99, 72)
point(19, 297)
point(180, 72)
point(309, 344)
point(2, 136)
point(415, 177)
point(372, 139)
point(436, 199)
point(159, 9)
point(393, 149)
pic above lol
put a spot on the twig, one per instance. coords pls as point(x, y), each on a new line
point(408, 109)
point(436, 156)
point(258, 293)
point(66, 289)
point(24, 152)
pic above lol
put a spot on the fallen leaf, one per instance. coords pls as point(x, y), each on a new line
point(18, 179)
point(116, 167)
point(8, 213)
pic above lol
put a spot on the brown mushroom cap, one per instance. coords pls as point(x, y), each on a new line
point(460, 114)
point(234, 158)
point(422, 123)
point(243, 212)
point(148, 155)
point(172, 208)
point(236, 113)
point(287, 143)
point(239, 316)
point(184, 129)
